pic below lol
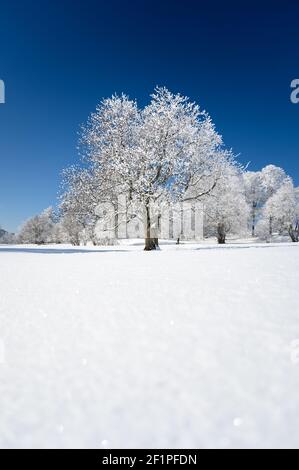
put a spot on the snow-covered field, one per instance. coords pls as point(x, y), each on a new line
point(190, 346)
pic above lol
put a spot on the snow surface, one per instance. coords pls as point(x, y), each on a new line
point(192, 346)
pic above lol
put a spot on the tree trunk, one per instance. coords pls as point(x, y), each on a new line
point(94, 239)
point(270, 226)
point(150, 242)
point(294, 234)
point(221, 235)
point(75, 240)
point(253, 219)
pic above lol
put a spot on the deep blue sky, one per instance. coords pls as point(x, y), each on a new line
point(59, 58)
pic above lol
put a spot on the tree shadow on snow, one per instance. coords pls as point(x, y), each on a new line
point(63, 251)
point(243, 247)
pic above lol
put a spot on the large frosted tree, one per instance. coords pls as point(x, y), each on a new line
point(167, 152)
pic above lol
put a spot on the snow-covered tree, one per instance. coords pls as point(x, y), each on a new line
point(72, 228)
point(226, 211)
point(259, 187)
point(255, 193)
point(59, 234)
point(281, 212)
point(78, 202)
point(6, 238)
point(38, 229)
point(167, 152)
point(272, 178)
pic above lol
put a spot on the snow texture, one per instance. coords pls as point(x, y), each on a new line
point(193, 346)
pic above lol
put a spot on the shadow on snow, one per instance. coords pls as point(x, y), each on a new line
point(49, 251)
point(243, 247)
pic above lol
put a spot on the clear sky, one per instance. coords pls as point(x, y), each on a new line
point(59, 58)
